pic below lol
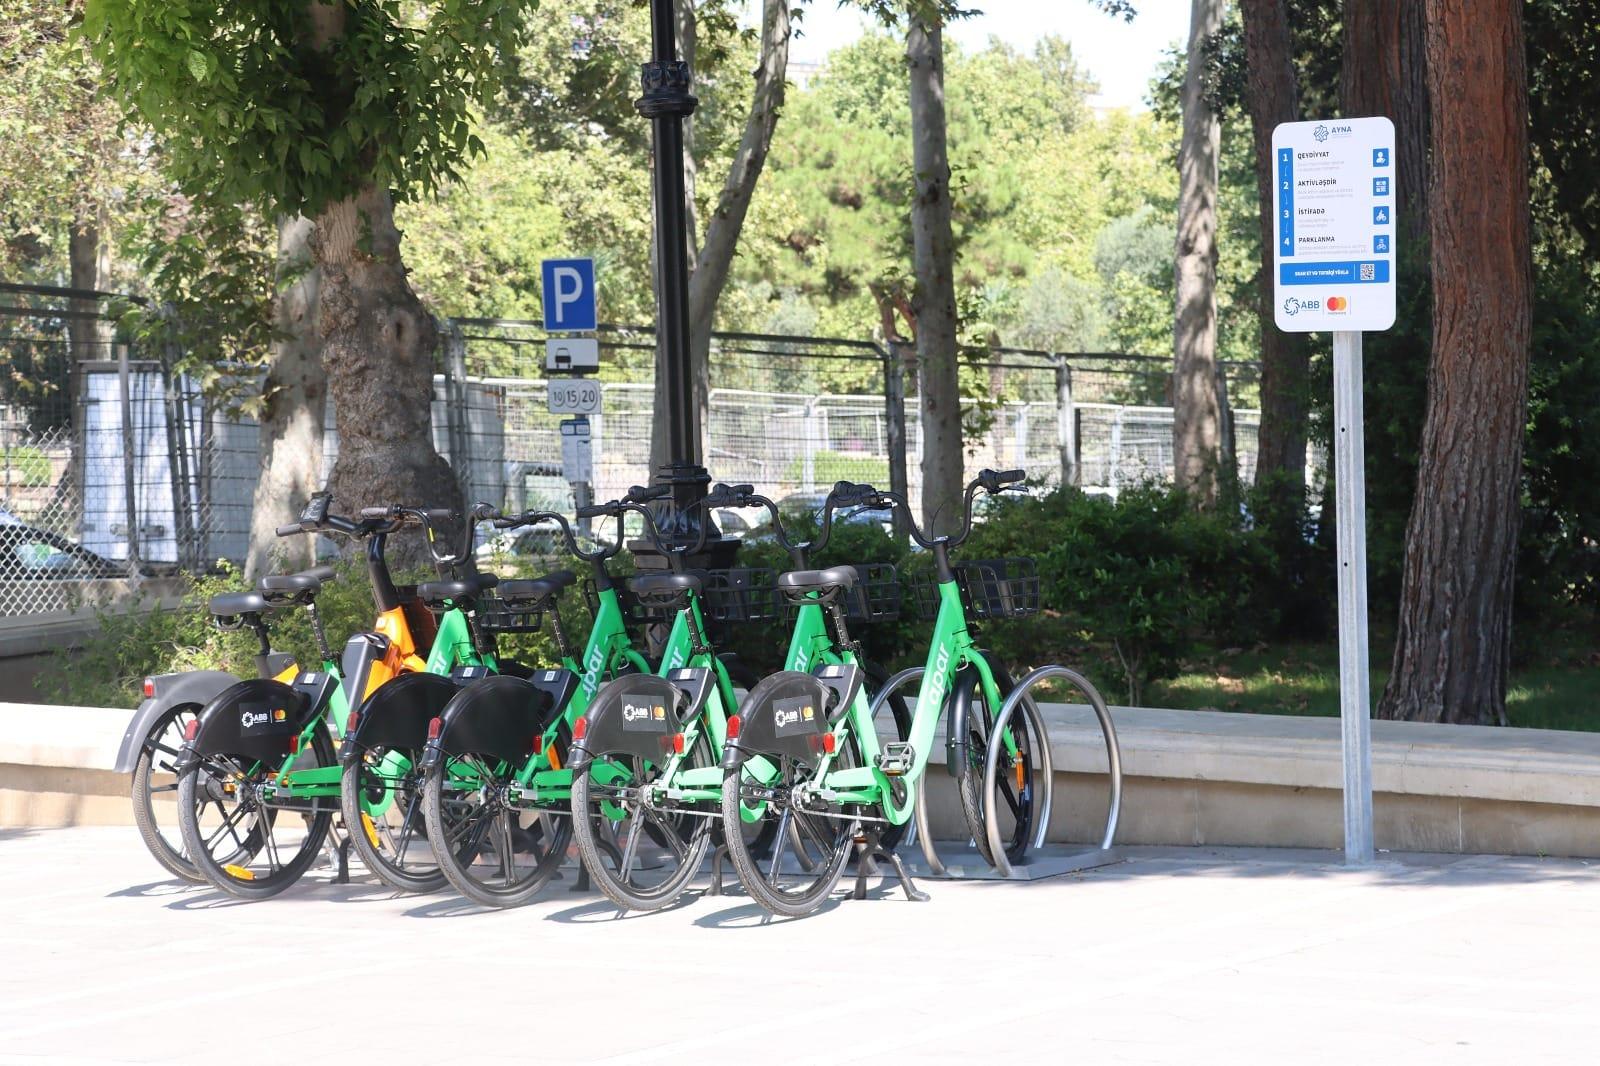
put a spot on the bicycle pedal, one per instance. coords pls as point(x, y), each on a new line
point(896, 759)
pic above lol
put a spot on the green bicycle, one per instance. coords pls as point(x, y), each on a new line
point(836, 786)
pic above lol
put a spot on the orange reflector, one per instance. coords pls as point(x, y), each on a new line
point(1022, 781)
point(149, 687)
point(829, 743)
point(433, 728)
point(191, 730)
point(733, 728)
point(239, 872)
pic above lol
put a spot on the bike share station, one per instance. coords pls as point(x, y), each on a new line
point(435, 762)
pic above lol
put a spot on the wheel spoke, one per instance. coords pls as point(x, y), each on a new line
point(632, 846)
point(779, 842)
point(505, 844)
point(673, 840)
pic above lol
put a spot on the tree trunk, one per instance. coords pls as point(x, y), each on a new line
point(711, 262)
point(89, 260)
point(1454, 643)
point(1273, 96)
point(295, 391)
point(1196, 416)
point(933, 260)
point(1385, 72)
point(377, 349)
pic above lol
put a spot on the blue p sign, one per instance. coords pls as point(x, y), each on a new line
point(569, 303)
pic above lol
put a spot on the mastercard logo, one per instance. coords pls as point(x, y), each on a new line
point(1338, 303)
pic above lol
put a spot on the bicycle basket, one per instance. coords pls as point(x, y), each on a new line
point(990, 589)
point(746, 594)
point(875, 597)
point(633, 612)
point(999, 588)
point(497, 616)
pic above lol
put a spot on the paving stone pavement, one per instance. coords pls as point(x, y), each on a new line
point(1174, 955)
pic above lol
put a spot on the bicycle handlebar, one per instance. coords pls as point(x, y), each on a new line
point(993, 482)
point(530, 518)
point(430, 519)
point(316, 519)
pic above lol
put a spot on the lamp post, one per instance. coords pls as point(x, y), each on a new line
point(666, 102)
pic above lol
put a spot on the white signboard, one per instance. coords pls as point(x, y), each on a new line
point(570, 355)
point(574, 396)
point(1335, 251)
point(577, 456)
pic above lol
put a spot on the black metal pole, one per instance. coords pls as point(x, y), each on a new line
point(667, 102)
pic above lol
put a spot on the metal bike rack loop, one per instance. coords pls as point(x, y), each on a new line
point(1020, 697)
point(920, 806)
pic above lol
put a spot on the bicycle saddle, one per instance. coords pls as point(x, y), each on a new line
point(663, 585)
point(537, 589)
point(432, 592)
point(232, 604)
point(834, 577)
point(305, 581)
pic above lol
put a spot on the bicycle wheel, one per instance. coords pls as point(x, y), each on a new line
point(155, 774)
point(236, 837)
point(899, 726)
point(1013, 785)
point(380, 795)
point(811, 839)
point(638, 851)
point(494, 854)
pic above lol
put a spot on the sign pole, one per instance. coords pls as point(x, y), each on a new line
point(1350, 484)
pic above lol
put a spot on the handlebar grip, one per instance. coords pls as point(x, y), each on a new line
point(646, 493)
point(483, 511)
point(439, 514)
point(370, 513)
point(1008, 476)
point(290, 529)
point(598, 510)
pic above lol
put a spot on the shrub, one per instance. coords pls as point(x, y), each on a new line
point(25, 466)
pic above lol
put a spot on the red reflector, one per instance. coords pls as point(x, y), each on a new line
point(294, 745)
point(733, 728)
point(351, 723)
point(579, 728)
point(149, 687)
point(191, 730)
point(829, 743)
point(677, 743)
point(433, 727)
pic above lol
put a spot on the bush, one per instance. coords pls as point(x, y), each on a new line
point(25, 466)
point(1145, 575)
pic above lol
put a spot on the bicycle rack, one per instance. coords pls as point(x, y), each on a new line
point(1020, 697)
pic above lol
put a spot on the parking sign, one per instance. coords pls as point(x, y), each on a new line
point(569, 296)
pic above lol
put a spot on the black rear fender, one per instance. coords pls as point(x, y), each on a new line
point(256, 720)
point(397, 714)
point(963, 694)
point(789, 713)
point(640, 714)
point(172, 691)
point(503, 717)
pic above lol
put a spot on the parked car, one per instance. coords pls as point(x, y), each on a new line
point(29, 553)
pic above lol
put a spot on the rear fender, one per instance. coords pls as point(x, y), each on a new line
point(256, 720)
point(640, 714)
point(787, 715)
point(397, 715)
point(500, 716)
point(172, 691)
point(963, 694)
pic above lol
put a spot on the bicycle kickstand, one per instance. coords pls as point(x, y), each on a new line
point(716, 870)
point(341, 857)
point(867, 852)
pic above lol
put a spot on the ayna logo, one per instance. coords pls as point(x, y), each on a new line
point(1320, 133)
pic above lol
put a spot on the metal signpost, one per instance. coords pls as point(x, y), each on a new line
point(571, 306)
point(1335, 256)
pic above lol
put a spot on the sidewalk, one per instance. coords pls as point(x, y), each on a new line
point(1175, 955)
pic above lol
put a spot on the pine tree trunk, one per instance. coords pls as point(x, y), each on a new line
point(1454, 643)
point(378, 347)
point(1385, 72)
point(1196, 416)
point(1273, 96)
point(933, 259)
point(295, 391)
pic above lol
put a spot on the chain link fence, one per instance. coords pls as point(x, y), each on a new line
point(115, 468)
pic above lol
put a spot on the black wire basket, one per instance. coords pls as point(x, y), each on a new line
point(744, 594)
point(990, 589)
point(495, 615)
point(876, 596)
point(633, 612)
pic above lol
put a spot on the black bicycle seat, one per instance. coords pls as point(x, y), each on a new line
point(664, 585)
point(834, 577)
point(305, 581)
point(233, 604)
point(536, 589)
point(470, 588)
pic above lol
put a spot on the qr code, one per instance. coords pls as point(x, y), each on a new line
point(1369, 271)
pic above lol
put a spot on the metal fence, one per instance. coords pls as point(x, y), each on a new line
point(113, 464)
